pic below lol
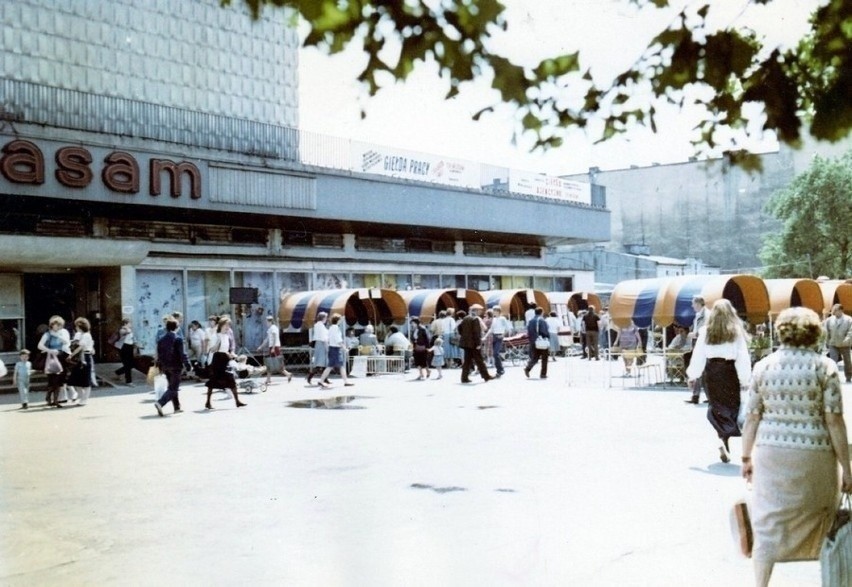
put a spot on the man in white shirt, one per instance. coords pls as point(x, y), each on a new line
point(500, 328)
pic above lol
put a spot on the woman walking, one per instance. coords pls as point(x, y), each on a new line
point(126, 346)
point(336, 357)
point(273, 362)
point(221, 352)
point(320, 355)
point(721, 354)
point(83, 349)
point(793, 441)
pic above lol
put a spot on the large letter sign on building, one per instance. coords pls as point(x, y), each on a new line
point(23, 162)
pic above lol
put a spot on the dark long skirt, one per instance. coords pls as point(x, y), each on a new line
point(723, 391)
point(220, 377)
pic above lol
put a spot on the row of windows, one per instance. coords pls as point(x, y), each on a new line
point(215, 234)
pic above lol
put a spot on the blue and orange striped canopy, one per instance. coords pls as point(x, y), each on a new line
point(426, 303)
point(636, 300)
point(358, 306)
point(575, 300)
point(514, 302)
point(666, 301)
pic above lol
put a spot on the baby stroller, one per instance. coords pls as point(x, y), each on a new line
point(248, 378)
point(247, 372)
point(516, 349)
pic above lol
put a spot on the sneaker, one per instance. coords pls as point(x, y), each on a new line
point(159, 408)
point(178, 411)
point(131, 384)
point(723, 454)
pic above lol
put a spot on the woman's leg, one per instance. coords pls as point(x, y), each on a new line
point(762, 572)
point(128, 350)
point(324, 377)
point(236, 397)
point(84, 393)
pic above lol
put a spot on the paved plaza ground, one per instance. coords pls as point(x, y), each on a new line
point(560, 482)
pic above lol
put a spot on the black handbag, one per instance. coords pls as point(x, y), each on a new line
point(73, 361)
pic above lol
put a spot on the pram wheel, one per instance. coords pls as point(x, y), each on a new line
point(263, 387)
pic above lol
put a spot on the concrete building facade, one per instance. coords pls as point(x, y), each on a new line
point(149, 162)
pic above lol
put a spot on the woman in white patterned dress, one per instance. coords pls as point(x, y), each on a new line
point(793, 440)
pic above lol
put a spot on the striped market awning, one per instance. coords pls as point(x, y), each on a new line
point(358, 306)
point(514, 302)
point(786, 293)
point(426, 303)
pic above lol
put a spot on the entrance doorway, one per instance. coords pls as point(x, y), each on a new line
point(45, 295)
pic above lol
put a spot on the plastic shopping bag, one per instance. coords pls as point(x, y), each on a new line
point(161, 384)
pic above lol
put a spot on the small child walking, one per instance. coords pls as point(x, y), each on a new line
point(21, 377)
point(437, 351)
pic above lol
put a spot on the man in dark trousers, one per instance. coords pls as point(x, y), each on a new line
point(470, 339)
point(171, 359)
point(536, 327)
point(592, 322)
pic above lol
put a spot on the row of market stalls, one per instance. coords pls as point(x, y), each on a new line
point(662, 301)
point(667, 301)
point(376, 306)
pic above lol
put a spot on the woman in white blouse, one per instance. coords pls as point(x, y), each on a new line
point(721, 354)
point(82, 349)
point(319, 341)
point(56, 344)
point(222, 341)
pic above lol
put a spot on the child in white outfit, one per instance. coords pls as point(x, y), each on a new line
point(437, 350)
point(21, 377)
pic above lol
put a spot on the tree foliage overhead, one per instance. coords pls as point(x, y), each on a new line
point(816, 212)
point(687, 63)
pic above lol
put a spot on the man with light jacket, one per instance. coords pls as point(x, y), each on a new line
point(838, 338)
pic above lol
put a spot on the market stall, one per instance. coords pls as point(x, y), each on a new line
point(636, 300)
point(514, 302)
point(787, 293)
point(358, 307)
point(426, 303)
point(747, 293)
point(836, 291)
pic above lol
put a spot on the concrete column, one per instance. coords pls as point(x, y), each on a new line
point(128, 292)
point(275, 241)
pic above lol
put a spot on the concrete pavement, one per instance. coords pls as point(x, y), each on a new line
point(512, 482)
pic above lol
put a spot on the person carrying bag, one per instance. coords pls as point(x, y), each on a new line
point(835, 557)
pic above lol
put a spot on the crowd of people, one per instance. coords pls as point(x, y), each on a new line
point(67, 361)
point(787, 406)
